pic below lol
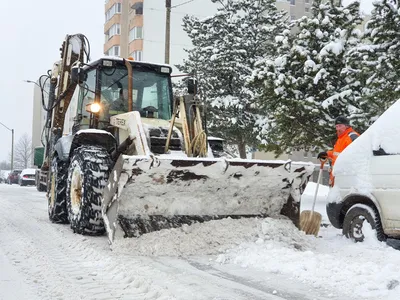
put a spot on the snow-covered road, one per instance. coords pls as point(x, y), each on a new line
point(226, 259)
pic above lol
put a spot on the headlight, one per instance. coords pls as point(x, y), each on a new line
point(93, 107)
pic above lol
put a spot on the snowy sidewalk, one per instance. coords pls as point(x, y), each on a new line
point(11, 284)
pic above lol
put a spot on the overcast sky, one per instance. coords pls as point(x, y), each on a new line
point(32, 34)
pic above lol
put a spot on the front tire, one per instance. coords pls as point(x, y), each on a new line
point(357, 218)
point(87, 177)
point(57, 204)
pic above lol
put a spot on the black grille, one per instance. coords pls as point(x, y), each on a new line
point(158, 138)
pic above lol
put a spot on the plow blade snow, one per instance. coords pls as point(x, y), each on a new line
point(146, 194)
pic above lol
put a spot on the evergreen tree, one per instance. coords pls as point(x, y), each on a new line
point(226, 48)
point(304, 86)
point(374, 65)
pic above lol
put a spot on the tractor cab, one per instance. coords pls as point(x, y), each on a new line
point(105, 91)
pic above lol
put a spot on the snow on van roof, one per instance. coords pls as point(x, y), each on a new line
point(383, 134)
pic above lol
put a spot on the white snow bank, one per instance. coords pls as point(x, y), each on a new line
point(211, 237)
point(333, 263)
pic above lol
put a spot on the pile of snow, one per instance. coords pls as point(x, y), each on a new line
point(211, 237)
point(331, 263)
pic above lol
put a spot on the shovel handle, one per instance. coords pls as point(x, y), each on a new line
point(323, 161)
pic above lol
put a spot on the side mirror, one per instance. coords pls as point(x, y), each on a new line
point(192, 86)
point(78, 75)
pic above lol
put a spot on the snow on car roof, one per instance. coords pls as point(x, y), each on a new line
point(28, 171)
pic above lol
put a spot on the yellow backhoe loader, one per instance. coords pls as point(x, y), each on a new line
point(123, 156)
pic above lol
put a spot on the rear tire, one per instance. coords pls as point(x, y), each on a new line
point(87, 177)
point(57, 204)
point(355, 219)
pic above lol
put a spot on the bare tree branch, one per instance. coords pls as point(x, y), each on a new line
point(23, 152)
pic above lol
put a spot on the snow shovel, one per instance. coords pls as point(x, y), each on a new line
point(310, 220)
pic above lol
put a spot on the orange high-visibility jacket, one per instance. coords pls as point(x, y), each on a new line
point(345, 139)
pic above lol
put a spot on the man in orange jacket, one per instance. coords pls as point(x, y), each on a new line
point(346, 135)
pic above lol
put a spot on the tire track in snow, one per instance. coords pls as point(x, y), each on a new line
point(84, 268)
point(226, 288)
point(80, 267)
point(80, 263)
point(286, 292)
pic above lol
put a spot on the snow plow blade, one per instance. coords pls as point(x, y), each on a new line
point(146, 194)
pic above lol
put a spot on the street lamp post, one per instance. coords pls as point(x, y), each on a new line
point(30, 81)
point(12, 145)
point(35, 83)
point(167, 30)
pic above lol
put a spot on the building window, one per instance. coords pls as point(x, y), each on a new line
point(113, 51)
point(137, 8)
point(307, 9)
point(136, 33)
point(292, 17)
point(292, 2)
point(115, 9)
point(137, 55)
point(114, 30)
point(307, 1)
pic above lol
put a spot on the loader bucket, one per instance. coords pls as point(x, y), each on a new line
point(145, 194)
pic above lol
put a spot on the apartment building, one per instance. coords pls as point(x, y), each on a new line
point(136, 28)
point(39, 114)
point(295, 8)
point(123, 28)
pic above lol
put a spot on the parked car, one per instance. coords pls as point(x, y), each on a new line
point(13, 177)
point(366, 189)
point(27, 177)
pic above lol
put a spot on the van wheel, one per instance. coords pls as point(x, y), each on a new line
point(359, 220)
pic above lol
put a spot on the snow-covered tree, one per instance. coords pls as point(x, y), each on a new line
point(304, 89)
point(226, 48)
point(375, 64)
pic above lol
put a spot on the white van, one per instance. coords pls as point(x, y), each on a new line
point(366, 187)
